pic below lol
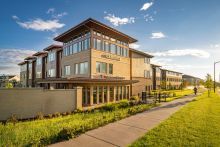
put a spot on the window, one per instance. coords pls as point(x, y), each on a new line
point(113, 49)
point(101, 67)
point(97, 44)
point(147, 74)
point(118, 50)
point(51, 73)
point(38, 74)
point(39, 60)
point(75, 48)
point(110, 68)
point(76, 69)
point(79, 46)
point(147, 60)
point(106, 46)
point(51, 56)
point(67, 70)
point(81, 68)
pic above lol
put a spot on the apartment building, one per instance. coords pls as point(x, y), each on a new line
point(97, 58)
point(171, 79)
point(156, 76)
point(94, 56)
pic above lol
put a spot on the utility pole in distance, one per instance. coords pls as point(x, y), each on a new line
point(214, 73)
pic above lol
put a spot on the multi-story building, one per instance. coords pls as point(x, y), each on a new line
point(189, 80)
point(171, 79)
point(24, 73)
point(96, 57)
point(156, 76)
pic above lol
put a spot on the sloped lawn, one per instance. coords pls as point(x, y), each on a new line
point(196, 124)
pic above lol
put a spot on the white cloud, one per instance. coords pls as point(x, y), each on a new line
point(40, 25)
point(183, 52)
point(116, 21)
point(215, 45)
point(50, 10)
point(148, 17)
point(59, 15)
point(157, 35)
point(134, 46)
point(15, 17)
point(9, 58)
point(146, 6)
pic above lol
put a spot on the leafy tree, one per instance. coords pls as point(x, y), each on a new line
point(163, 84)
point(9, 85)
point(208, 83)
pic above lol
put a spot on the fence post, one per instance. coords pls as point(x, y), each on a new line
point(78, 97)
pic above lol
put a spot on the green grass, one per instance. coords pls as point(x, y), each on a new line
point(47, 131)
point(196, 124)
point(179, 94)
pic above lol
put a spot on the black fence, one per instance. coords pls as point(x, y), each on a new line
point(153, 97)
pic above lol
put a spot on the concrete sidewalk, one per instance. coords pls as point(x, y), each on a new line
point(125, 131)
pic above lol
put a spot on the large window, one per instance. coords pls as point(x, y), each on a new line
point(147, 74)
point(67, 70)
point(101, 67)
point(51, 73)
point(147, 60)
point(110, 68)
point(39, 60)
point(38, 74)
point(51, 56)
point(81, 68)
point(97, 44)
point(106, 46)
point(113, 49)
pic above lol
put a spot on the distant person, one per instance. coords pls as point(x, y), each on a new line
point(195, 90)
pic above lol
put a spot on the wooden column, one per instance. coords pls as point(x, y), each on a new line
point(114, 97)
point(103, 100)
point(91, 95)
point(108, 94)
point(97, 95)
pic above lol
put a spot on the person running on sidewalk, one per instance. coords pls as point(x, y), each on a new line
point(195, 90)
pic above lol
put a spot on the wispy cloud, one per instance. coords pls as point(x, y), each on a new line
point(116, 21)
point(183, 52)
point(157, 35)
point(39, 24)
point(134, 46)
point(9, 58)
point(50, 10)
point(148, 17)
point(146, 6)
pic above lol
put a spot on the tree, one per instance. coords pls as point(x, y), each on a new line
point(9, 85)
point(163, 84)
point(208, 83)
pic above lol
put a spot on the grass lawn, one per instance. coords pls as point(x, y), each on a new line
point(47, 131)
point(179, 94)
point(196, 124)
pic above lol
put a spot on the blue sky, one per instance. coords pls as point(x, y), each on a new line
point(184, 35)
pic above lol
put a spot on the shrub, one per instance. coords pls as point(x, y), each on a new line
point(123, 104)
point(50, 116)
point(40, 116)
point(13, 119)
point(174, 94)
point(109, 107)
point(134, 98)
point(57, 114)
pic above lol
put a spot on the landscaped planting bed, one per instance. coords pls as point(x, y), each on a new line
point(48, 131)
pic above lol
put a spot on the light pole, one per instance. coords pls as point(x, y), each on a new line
point(214, 74)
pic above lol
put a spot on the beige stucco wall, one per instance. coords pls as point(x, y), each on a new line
point(121, 65)
point(139, 87)
point(71, 60)
point(26, 102)
point(138, 65)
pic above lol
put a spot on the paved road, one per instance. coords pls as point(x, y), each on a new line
point(125, 131)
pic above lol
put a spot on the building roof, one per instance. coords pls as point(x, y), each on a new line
point(39, 53)
point(91, 23)
point(172, 71)
point(30, 58)
point(156, 65)
point(53, 46)
point(141, 52)
point(189, 76)
point(22, 63)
